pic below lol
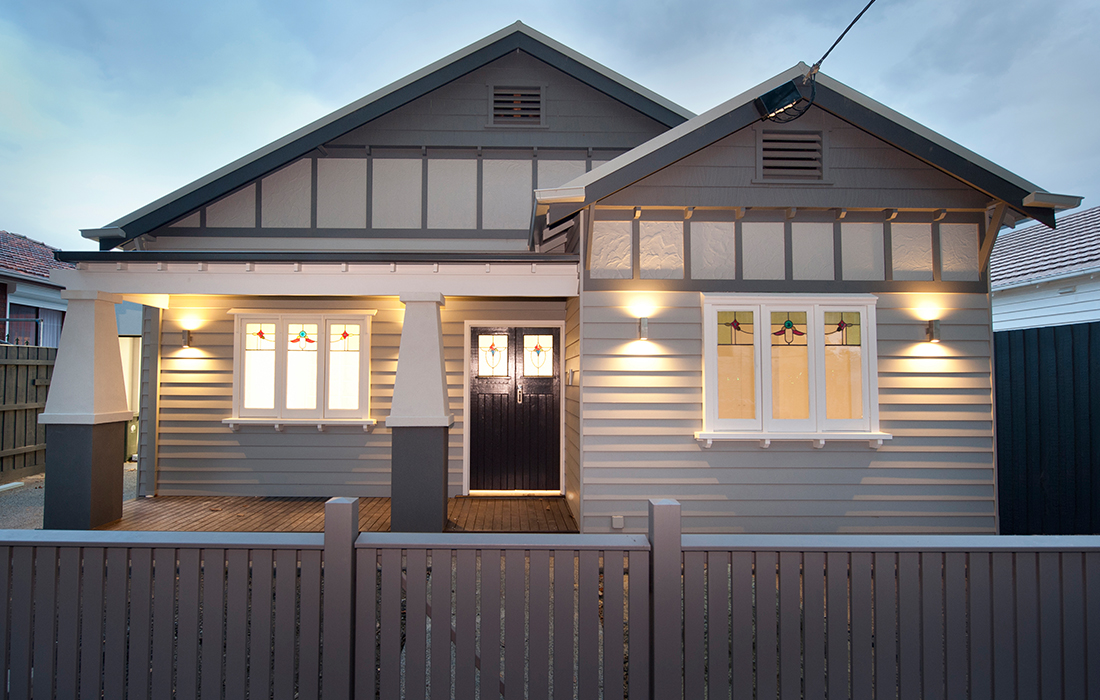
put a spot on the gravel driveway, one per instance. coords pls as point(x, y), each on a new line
point(21, 507)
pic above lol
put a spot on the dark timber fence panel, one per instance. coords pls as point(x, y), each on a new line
point(1048, 430)
point(231, 615)
point(25, 373)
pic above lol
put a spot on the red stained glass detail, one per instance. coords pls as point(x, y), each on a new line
point(344, 335)
point(260, 334)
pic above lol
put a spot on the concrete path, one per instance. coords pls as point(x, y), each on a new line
point(21, 507)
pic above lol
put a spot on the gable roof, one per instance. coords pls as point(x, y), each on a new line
point(296, 144)
point(1035, 254)
point(26, 258)
point(842, 101)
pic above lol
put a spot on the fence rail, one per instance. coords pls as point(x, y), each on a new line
point(349, 615)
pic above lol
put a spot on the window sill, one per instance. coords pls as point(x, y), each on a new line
point(321, 423)
point(874, 440)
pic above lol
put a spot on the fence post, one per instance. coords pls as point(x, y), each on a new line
point(338, 643)
point(666, 624)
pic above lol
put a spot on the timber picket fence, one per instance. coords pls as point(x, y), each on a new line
point(25, 373)
point(347, 615)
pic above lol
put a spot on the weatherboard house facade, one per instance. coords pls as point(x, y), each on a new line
point(516, 271)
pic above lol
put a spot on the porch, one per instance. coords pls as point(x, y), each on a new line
point(271, 514)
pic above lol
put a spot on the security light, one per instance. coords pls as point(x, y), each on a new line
point(933, 331)
point(775, 101)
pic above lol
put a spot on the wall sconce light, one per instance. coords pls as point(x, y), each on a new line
point(933, 331)
point(643, 328)
point(186, 338)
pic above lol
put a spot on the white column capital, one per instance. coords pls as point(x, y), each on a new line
point(420, 388)
point(87, 386)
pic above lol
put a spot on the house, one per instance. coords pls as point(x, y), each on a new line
point(516, 271)
point(1046, 323)
point(27, 293)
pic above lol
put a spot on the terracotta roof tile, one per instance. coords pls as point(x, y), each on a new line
point(24, 256)
point(1035, 253)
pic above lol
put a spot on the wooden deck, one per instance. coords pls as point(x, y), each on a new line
point(259, 514)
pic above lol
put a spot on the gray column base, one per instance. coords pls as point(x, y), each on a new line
point(418, 480)
point(83, 475)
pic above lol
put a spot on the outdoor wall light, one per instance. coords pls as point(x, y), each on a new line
point(933, 331)
point(186, 338)
point(643, 328)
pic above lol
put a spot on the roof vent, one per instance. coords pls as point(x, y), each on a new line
point(517, 106)
point(791, 155)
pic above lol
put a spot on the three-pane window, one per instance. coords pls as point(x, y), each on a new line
point(781, 363)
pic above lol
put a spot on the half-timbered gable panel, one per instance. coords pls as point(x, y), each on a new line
point(456, 166)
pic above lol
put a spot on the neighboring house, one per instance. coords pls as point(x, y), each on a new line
point(26, 292)
point(724, 310)
point(1046, 322)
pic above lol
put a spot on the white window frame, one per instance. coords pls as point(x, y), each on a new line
point(280, 415)
point(763, 426)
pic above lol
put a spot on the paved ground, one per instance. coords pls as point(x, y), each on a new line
point(21, 508)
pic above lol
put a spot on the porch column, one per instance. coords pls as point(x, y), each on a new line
point(420, 420)
point(85, 417)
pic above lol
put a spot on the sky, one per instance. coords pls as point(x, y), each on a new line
point(107, 105)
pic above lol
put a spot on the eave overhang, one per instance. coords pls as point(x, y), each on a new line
point(326, 256)
point(836, 98)
point(517, 37)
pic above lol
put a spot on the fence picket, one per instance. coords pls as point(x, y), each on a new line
point(441, 624)
point(91, 621)
point(718, 624)
point(1073, 612)
point(955, 629)
point(212, 670)
point(416, 600)
point(366, 624)
point(742, 620)
point(390, 624)
point(286, 584)
point(1004, 626)
point(909, 646)
point(309, 616)
point(1027, 625)
point(694, 615)
point(836, 623)
point(767, 636)
point(491, 683)
point(932, 624)
point(45, 616)
point(790, 625)
point(813, 595)
point(638, 602)
point(164, 632)
point(539, 624)
point(515, 585)
point(981, 626)
point(188, 625)
point(862, 636)
point(564, 620)
point(236, 623)
point(588, 623)
point(1050, 625)
point(5, 612)
point(1092, 625)
point(22, 589)
point(115, 618)
point(465, 623)
point(261, 610)
point(68, 619)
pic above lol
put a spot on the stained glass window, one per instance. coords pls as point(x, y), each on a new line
point(790, 359)
point(259, 366)
point(538, 355)
point(736, 370)
point(343, 366)
point(492, 355)
point(301, 366)
point(843, 365)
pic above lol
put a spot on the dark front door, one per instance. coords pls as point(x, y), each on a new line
point(515, 409)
